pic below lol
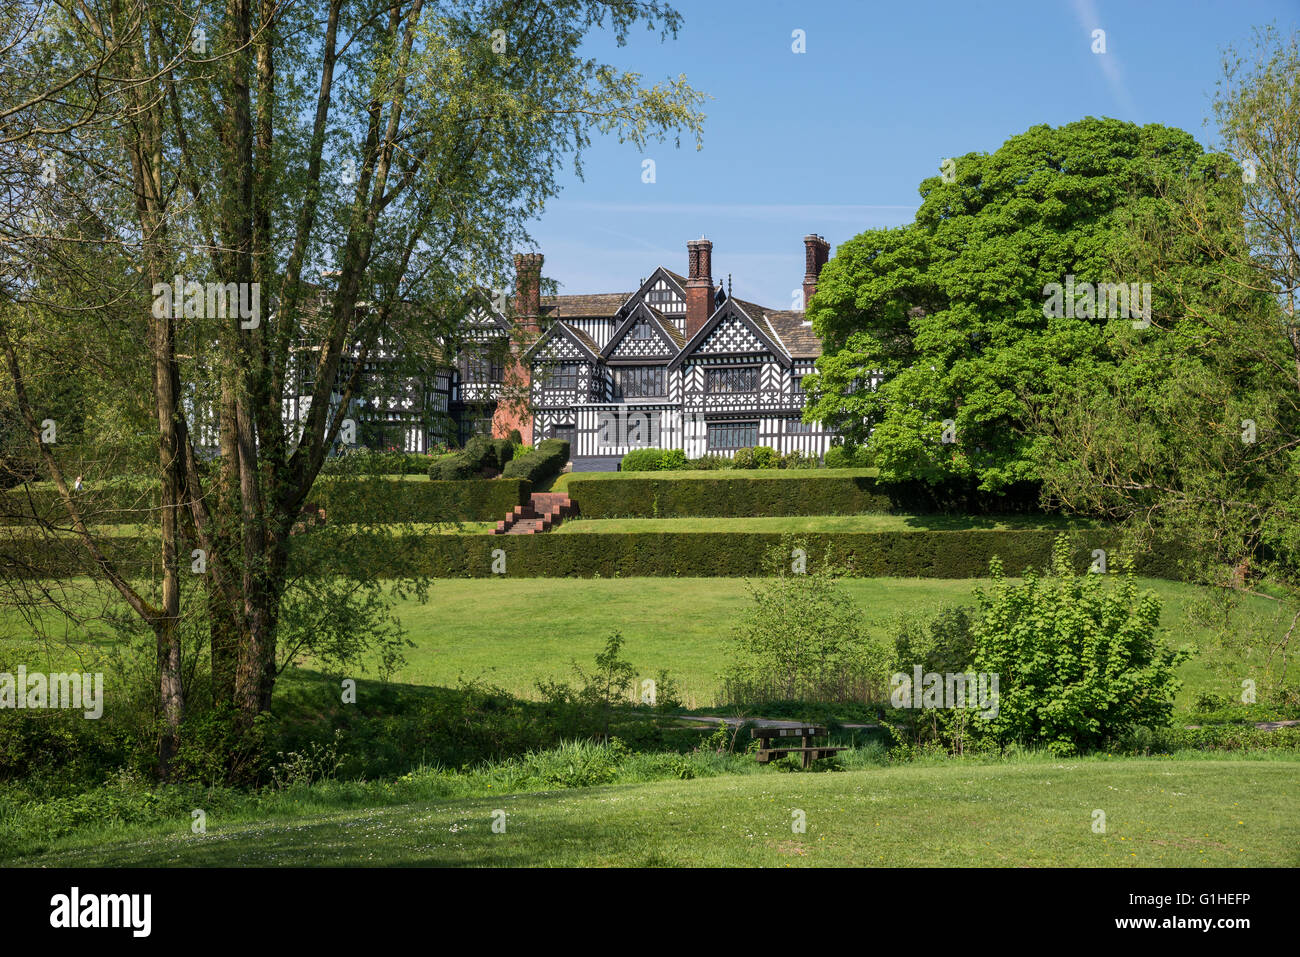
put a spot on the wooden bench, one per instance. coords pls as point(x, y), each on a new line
point(805, 733)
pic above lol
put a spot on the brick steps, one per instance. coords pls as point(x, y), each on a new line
point(544, 511)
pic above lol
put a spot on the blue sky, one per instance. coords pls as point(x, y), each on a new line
point(835, 140)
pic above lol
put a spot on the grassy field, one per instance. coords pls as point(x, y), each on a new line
point(561, 484)
point(816, 523)
point(1030, 812)
point(495, 629)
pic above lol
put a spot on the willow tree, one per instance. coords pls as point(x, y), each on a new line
point(347, 172)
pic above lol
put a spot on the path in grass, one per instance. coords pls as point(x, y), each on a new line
point(817, 523)
point(1158, 813)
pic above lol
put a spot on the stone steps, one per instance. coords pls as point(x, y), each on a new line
point(543, 512)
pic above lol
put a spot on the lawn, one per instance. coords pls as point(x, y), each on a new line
point(817, 523)
point(1031, 812)
point(561, 484)
point(510, 632)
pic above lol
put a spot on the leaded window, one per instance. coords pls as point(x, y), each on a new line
point(727, 436)
point(638, 382)
point(563, 375)
point(726, 380)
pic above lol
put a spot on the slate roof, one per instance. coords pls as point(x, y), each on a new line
point(795, 334)
point(594, 306)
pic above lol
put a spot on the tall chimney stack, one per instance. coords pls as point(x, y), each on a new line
point(512, 412)
point(528, 290)
point(699, 285)
point(816, 251)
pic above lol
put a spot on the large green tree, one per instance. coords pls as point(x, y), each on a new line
point(363, 164)
point(953, 313)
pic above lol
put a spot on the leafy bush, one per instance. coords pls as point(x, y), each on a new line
point(798, 460)
point(542, 464)
point(766, 457)
point(642, 460)
point(848, 457)
point(453, 468)
point(710, 461)
point(674, 459)
point(1079, 663)
point(801, 638)
point(940, 643)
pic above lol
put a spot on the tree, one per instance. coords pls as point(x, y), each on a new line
point(954, 314)
point(306, 160)
point(801, 639)
point(1194, 432)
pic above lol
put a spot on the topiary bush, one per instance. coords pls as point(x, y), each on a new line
point(744, 459)
point(503, 452)
point(542, 464)
point(642, 460)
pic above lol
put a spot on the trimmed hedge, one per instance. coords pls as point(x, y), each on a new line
point(543, 463)
point(921, 554)
point(926, 554)
point(382, 500)
point(347, 501)
point(762, 496)
point(480, 453)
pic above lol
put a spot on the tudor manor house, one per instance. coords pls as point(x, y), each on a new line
point(679, 363)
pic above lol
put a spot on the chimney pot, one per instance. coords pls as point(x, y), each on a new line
point(699, 285)
point(816, 251)
point(528, 289)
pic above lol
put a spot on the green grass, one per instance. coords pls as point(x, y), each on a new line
point(1028, 812)
point(511, 632)
point(562, 483)
point(816, 523)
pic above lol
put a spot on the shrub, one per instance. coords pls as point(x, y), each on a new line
point(801, 639)
point(673, 459)
point(1079, 663)
point(941, 643)
point(541, 464)
point(848, 457)
point(744, 459)
point(480, 453)
point(766, 457)
point(454, 468)
point(798, 460)
point(504, 451)
point(515, 437)
point(710, 461)
point(642, 460)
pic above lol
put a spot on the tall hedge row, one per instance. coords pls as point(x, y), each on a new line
point(927, 554)
point(383, 500)
point(347, 501)
point(762, 496)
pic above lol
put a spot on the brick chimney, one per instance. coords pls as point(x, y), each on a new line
point(528, 290)
point(512, 411)
point(699, 285)
point(816, 251)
